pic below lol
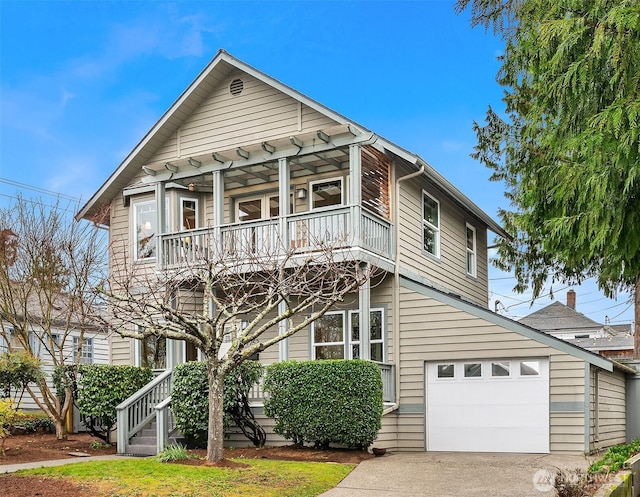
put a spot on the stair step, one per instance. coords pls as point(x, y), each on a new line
point(141, 450)
point(138, 440)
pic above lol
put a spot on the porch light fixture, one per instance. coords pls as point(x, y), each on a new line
point(170, 167)
point(148, 171)
point(192, 187)
point(301, 193)
point(242, 153)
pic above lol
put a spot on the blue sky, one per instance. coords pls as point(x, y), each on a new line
point(82, 82)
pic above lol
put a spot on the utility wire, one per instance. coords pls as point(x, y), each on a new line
point(39, 190)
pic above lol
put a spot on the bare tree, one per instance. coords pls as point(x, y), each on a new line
point(49, 267)
point(243, 294)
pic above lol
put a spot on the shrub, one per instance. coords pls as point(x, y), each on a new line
point(17, 370)
point(325, 402)
point(614, 458)
point(7, 412)
point(101, 387)
point(174, 452)
point(190, 400)
point(32, 422)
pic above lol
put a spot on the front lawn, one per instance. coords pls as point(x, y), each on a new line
point(150, 478)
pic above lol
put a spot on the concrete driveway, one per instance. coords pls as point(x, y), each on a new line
point(454, 474)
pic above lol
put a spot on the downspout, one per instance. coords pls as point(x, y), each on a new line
point(396, 284)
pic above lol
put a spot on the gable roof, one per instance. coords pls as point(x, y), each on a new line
point(559, 317)
point(210, 77)
point(412, 282)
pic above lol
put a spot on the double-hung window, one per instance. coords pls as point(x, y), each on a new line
point(330, 339)
point(85, 349)
point(430, 224)
point(471, 251)
point(329, 336)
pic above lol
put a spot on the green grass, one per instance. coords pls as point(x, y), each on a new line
point(150, 478)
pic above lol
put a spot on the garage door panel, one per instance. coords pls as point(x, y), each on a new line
point(488, 413)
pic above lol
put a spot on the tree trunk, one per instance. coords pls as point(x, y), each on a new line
point(61, 428)
point(215, 439)
point(636, 321)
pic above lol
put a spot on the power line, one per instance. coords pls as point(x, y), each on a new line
point(39, 190)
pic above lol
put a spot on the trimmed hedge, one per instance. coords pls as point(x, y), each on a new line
point(101, 387)
point(325, 402)
point(190, 400)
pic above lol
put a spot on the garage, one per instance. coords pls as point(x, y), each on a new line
point(497, 405)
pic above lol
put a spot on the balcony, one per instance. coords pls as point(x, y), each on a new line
point(345, 227)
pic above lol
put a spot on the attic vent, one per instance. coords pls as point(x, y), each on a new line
point(236, 87)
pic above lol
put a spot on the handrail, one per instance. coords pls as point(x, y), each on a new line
point(139, 409)
point(165, 423)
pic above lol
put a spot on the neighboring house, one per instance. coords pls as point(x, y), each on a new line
point(456, 375)
point(64, 341)
point(565, 322)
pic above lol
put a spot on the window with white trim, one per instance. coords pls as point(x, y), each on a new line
point(471, 251)
point(330, 339)
point(189, 217)
point(145, 228)
point(327, 193)
point(85, 349)
point(376, 334)
point(145, 225)
point(151, 352)
point(430, 224)
point(328, 336)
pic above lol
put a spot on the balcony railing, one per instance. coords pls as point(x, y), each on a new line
point(341, 227)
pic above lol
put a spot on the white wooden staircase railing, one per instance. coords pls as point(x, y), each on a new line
point(141, 410)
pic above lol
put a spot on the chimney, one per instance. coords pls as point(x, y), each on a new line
point(571, 299)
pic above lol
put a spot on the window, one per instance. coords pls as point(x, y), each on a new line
point(500, 369)
point(473, 370)
point(85, 349)
point(326, 193)
point(152, 352)
point(446, 370)
point(328, 336)
point(471, 251)
point(189, 214)
point(376, 335)
point(430, 224)
point(145, 223)
point(331, 341)
point(530, 368)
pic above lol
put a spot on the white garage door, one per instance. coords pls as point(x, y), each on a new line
point(488, 406)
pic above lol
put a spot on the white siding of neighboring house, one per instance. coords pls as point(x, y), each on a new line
point(100, 356)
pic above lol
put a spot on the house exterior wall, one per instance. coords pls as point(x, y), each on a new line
point(434, 331)
point(449, 270)
point(607, 409)
point(223, 121)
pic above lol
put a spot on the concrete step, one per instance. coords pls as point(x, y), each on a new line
point(138, 440)
point(141, 450)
